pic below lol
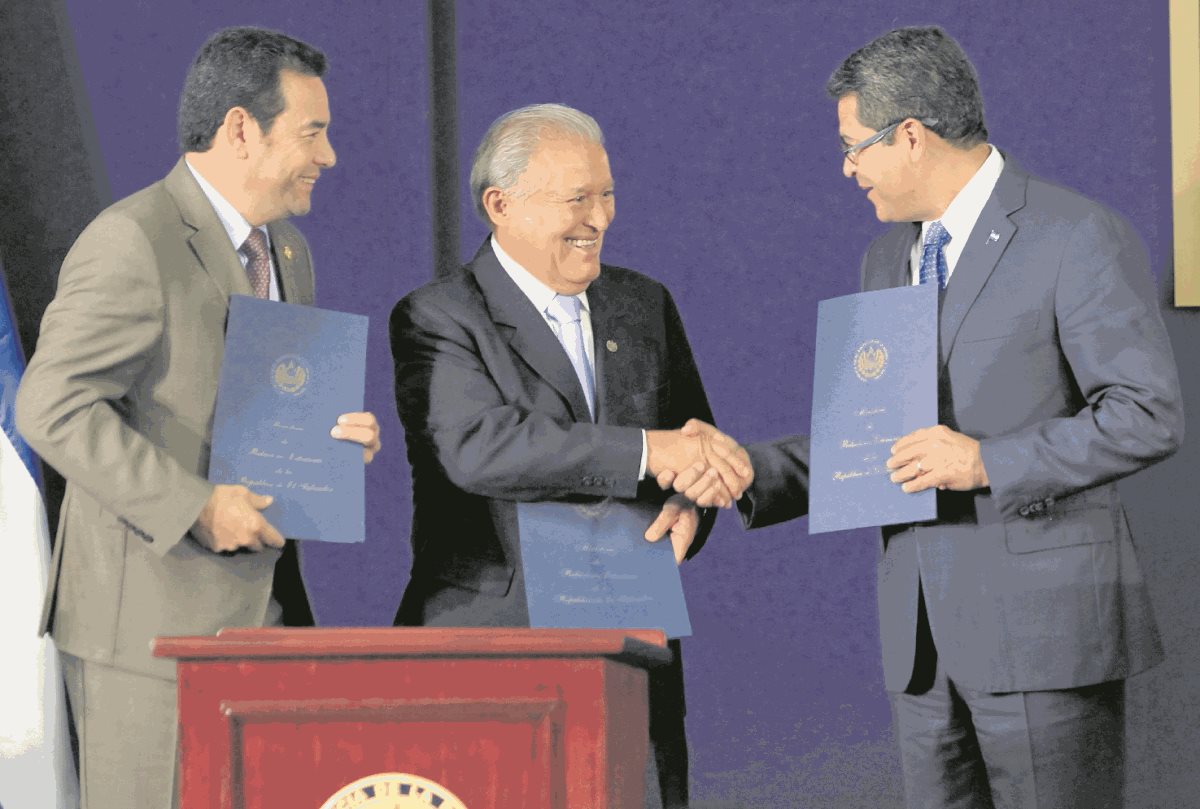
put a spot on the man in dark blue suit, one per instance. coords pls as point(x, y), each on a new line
point(1009, 623)
point(537, 373)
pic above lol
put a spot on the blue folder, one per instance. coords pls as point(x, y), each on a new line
point(874, 381)
point(589, 565)
point(288, 372)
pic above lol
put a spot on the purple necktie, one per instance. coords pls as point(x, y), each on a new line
point(258, 265)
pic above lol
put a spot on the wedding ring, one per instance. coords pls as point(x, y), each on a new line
point(919, 469)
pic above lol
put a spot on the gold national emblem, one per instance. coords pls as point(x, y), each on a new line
point(870, 360)
point(290, 375)
point(393, 790)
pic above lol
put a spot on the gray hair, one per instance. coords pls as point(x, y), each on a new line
point(917, 73)
point(504, 153)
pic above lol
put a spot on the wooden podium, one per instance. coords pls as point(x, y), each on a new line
point(408, 717)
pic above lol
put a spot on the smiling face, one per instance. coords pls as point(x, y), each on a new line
point(553, 219)
point(886, 171)
point(286, 161)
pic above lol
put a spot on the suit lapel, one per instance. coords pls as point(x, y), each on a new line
point(287, 252)
point(612, 347)
point(209, 241)
point(891, 267)
point(526, 330)
point(986, 244)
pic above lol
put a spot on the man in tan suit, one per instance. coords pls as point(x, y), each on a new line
point(119, 398)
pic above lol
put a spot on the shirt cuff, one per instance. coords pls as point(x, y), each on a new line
point(645, 454)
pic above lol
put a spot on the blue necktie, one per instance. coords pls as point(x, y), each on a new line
point(564, 310)
point(933, 256)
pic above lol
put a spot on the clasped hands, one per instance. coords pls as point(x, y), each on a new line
point(232, 518)
point(705, 467)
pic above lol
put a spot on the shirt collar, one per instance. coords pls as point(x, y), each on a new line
point(962, 213)
point(236, 226)
point(538, 293)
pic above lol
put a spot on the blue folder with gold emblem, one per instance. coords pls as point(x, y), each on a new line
point(589, 566)
point(288, 372)
point(874, 381)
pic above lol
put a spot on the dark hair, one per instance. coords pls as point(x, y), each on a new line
point(239, 67)
point(917, 73)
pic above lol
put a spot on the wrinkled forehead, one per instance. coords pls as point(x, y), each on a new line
point(566, 164)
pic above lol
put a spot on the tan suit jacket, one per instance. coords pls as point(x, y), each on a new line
point(119, 398)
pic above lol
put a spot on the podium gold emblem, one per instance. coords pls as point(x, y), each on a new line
point(393, 790)
point(870, 360)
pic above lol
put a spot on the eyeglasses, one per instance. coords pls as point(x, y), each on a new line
point(851, 152)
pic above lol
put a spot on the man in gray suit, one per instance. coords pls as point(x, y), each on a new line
point(505, 396)
point(119, 398)
point(1010, 622)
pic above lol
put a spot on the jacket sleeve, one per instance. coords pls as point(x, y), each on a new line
point(452, 408)
point(780, 488)
point(98, 337)
point(1112, 336)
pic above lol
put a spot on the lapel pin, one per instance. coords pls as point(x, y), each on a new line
point(994, 237)
point(611, 345)
point(287, 252)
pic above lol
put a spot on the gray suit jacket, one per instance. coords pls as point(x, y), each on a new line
point(493, 414)
point(1054, 356)
point(119, 398)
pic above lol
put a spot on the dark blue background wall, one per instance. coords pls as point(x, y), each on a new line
point(729, 190)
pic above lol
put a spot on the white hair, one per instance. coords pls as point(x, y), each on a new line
point(508, 144)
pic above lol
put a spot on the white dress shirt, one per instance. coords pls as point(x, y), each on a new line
point(541, 296)
point(236, 227)
point(961, 215)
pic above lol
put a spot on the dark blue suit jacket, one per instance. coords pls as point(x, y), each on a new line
point(494, 414)
point(1054, 356)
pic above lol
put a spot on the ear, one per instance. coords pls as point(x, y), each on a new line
point(496, 204)
point(240, 131)
point(915, 136)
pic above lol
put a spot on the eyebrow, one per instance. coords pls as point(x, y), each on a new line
point(580, 189)
point(315, 124)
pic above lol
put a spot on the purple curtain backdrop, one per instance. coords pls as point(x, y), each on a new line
point(723, 147)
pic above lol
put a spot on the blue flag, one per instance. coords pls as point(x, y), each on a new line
point(35, 751)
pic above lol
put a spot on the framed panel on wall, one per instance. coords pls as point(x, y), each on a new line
point(1185, 148)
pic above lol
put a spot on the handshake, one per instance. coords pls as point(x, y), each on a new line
point(705, 467)
point(699, 462)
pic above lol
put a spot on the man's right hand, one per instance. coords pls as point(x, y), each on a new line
point(703, 487)
point(699, 459)
point(232, 520)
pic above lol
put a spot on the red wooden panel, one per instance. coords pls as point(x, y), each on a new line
point(487, 752)
point(539, 731)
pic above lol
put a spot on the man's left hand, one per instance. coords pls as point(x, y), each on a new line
point(680, 517)
point(361, 428)
point(937, 457)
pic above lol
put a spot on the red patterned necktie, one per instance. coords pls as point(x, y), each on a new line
point(258, 266)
